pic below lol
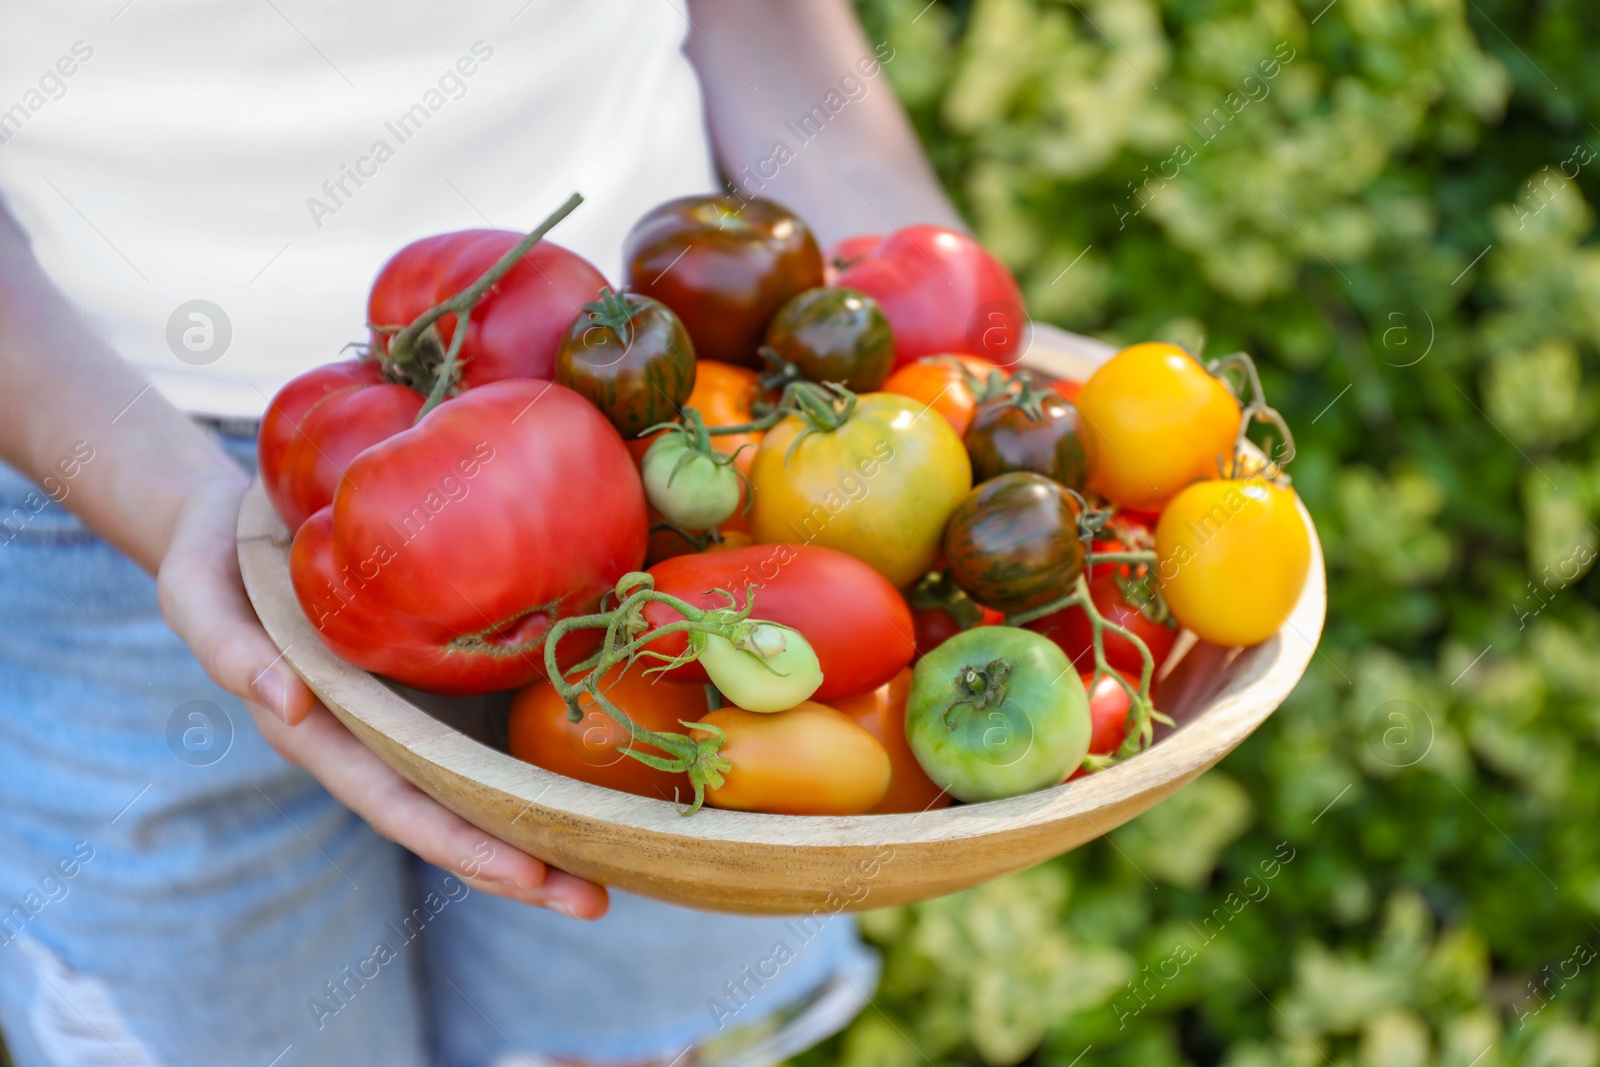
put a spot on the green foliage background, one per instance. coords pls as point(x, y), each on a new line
point(1436, 777)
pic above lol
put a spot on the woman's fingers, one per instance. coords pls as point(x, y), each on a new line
point(202, 598)
point(404, 814)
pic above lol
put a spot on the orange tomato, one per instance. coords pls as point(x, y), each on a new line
point(939, 382)
point(594, 748)
point(809, 760)
point(1160, 422)
point(882, 713)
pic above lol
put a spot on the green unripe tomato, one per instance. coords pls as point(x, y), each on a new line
point(772, 669)
point(995, 712)
point(688, 487)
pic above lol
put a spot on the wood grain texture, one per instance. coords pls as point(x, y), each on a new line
point(777, 864)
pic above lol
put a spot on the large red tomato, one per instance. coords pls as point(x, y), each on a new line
point(856, 621)
point(942, 292)
point(452, 547)
point(321, 421)
point(515, 330)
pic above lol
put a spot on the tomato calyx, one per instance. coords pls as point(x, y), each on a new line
point(715, 635)
point(992, 386)
point(979, 689)
point(612, 311)
point(416, 356)
point(1257, 410)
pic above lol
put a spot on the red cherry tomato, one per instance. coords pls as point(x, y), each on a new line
point(882, 713)
point(1109, 705)
point(942, 292)
point(858, 624)
point(593, 749)
point(321, 421)
point(1070, 628)
point(452, 547)
point(516, 329)
point(935, 625)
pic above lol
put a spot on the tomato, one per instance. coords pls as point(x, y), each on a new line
point(940, 610)
point(809, 760)
point(630, 357)
point(1109, 705)
point(452, 547)
point(1029, 430)
point(724, 265)
point(1232, 559)
point(688, 486)
point(594, 749)
point(847, 253)
point(515, 330)
point(997, 712)
point(942, 292)
point(858, 624)
point(321, 421)
point(834, 335)
point(935, 625)
point(1067, 388)
point(882, 713)
point(773, 669)
point(1012, 544)
point(1124, 532)
point(1070, 628)
point(879, 487)
point(940, 382)
point(1160, 422)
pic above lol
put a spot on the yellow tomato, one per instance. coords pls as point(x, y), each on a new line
point(1160, 421)
point(1232, 558)
point(879, 487)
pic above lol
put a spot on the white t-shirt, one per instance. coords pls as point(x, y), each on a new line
point(267, 157)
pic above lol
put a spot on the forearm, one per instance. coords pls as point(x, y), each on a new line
point(86, 426)
point(796, 118)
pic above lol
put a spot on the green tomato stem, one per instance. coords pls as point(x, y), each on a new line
point(627, 636)
point(461, 304)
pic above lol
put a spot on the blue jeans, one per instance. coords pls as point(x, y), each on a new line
point(171, 892)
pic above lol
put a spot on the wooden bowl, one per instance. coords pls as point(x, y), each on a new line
point(781, 864)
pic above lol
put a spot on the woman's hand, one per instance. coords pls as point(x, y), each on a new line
point(203, 600)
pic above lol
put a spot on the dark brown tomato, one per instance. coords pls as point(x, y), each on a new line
point(1031, 431)
point(1012, 544)
point(630, 356)
point(835, 335)
point(725, 266)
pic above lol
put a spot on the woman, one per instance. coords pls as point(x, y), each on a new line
point(196, 200)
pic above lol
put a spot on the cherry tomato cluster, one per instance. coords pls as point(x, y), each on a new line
point(768, 530)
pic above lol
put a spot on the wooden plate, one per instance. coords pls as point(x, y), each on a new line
point(780, 864)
